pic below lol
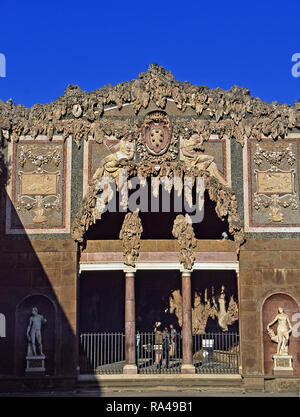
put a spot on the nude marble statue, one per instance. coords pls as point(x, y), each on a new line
point(34, 335)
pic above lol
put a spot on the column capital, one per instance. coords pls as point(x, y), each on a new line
point(186, 271)
point(129, 270)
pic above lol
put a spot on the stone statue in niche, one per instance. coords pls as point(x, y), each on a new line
point(192, 149)
point(284, 329)
point(34, 334)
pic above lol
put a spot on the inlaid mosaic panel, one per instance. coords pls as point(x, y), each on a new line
point(39, 187)
point(272, 189)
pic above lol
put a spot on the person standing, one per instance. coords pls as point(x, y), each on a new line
point(138, 340)
point(166, 347)
point(158, 348)
point(173, 334)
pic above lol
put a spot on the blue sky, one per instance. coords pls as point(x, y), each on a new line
point(49, 45)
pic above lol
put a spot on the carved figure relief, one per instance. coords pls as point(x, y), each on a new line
point(191, 148)
point(122, 151)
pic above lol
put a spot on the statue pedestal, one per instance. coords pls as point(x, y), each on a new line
point(282, 364)
point(35, 364)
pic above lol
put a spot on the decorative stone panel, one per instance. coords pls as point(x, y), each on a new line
point(39, 189)
point(271, 185)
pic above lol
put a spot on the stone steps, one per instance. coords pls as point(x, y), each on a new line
point(162, 382)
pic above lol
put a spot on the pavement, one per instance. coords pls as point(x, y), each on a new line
point(148, 394)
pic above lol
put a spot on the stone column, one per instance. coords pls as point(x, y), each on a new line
point(187, 338)
point(130, 363)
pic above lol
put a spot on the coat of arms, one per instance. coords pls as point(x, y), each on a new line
point(157, 132)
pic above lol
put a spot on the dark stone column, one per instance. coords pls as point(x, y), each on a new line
point(187, 338)
point(130, 364)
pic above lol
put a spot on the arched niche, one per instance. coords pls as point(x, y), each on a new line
point(2, 325)
point(46, 308)
point(269, 310)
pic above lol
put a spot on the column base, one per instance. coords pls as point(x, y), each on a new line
point(188, 369)
point(130, 369)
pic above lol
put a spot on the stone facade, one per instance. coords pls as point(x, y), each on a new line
point(52, 158)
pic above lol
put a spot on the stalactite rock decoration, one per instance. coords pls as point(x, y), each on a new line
point(82, 115)
point(130, 236)
point(204, 309)
point(225, 316)
point(229, 113)
point(175, 305)
point(226, 203)
point(184, 233)
point(232, 112)
point(201, 312)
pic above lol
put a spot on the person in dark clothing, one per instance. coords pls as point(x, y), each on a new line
point(166, 347)
point(158, 348)
point(138, 343)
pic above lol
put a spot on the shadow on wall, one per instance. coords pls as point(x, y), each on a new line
point(43, 274)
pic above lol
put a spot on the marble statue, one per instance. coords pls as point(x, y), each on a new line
point(284, 329)
point(34, 333)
